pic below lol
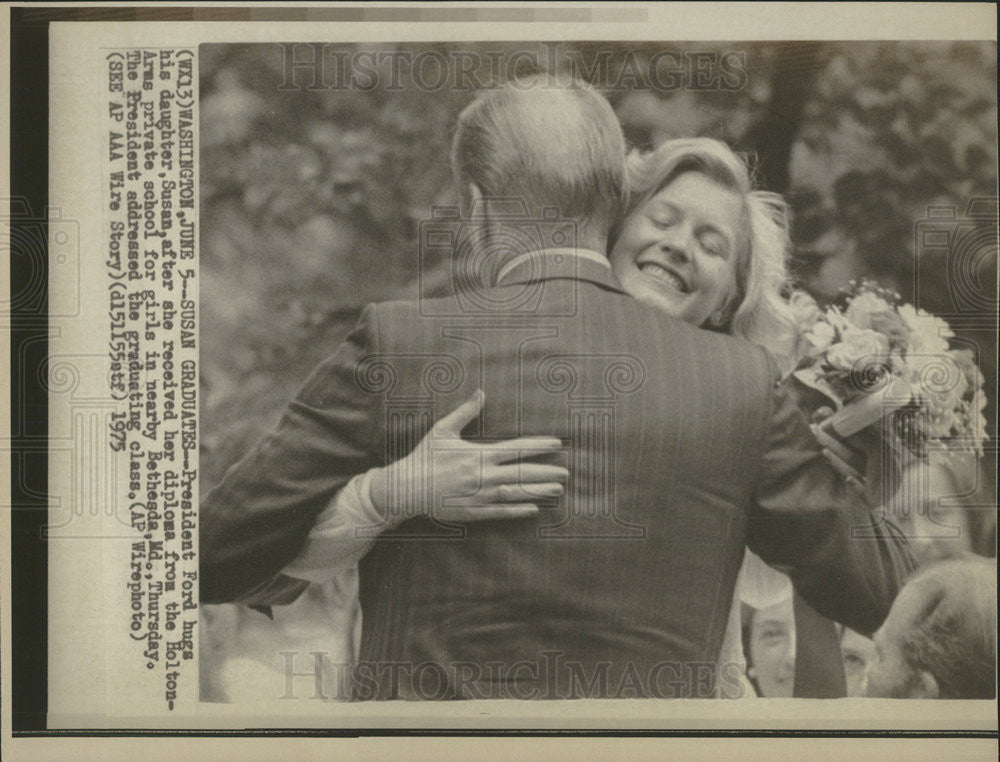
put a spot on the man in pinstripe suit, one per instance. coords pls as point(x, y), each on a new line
point(681, 448)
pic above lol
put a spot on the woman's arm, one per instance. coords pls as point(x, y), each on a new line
point(445, 478)
point(338, 541)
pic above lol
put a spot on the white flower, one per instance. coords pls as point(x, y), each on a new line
point(858, 349)
point(821, 336)
point(861, 308)
point(909, 314)
point(941, 385)
point(898, 364)
point(979, 431)
point(837, 320)
point(929, 334)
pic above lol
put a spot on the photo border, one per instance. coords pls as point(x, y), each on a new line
point(28, 336)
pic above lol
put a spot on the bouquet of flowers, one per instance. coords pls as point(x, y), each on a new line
point(878, 359)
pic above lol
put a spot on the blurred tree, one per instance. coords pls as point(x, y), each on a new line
point(795, 69)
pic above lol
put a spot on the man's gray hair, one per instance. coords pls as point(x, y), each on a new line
point(954, 635)
point(548, 142)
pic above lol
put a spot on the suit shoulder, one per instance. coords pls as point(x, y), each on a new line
point(402, 309)
point(754, 360)
point(754, 355)
point(407, 322)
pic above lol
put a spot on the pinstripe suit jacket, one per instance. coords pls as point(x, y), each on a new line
point(682, 447)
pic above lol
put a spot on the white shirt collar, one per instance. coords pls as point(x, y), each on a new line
point(590, 254)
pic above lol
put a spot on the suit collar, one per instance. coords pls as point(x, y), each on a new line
point(554, 264)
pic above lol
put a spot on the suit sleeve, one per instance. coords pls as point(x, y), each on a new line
point(847, 561)
point(257, 520)
point(335, 543)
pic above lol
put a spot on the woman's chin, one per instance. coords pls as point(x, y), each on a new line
point(662, 298)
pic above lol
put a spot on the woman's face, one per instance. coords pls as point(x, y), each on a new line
point(772, 649)
point(677, 252)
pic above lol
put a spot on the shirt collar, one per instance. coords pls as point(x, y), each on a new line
point(555, 263)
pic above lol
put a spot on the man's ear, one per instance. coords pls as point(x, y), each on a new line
point(475, 199)
point(925, 687)
point(479, 210)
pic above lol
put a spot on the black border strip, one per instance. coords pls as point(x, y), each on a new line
point(518, 733)
point(29, 326)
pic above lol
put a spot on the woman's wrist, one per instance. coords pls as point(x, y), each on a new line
point(375, 494)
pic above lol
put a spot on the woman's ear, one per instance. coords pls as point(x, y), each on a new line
point(723, 314)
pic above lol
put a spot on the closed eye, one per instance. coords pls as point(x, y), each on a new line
point(714, 245)
point(663, 215)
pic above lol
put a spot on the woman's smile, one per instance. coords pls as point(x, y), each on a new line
point(664, 275)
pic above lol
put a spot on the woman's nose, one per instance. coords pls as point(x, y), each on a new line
point(676, 247)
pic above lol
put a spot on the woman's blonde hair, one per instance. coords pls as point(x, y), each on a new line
point(758, 312)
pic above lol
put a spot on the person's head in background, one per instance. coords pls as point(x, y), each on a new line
point(857, 652)
point(548, 143)
point(939, 640)
point(769, 646)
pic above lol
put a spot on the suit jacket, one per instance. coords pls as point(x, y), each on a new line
point(682, 449)
point(819, 661)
